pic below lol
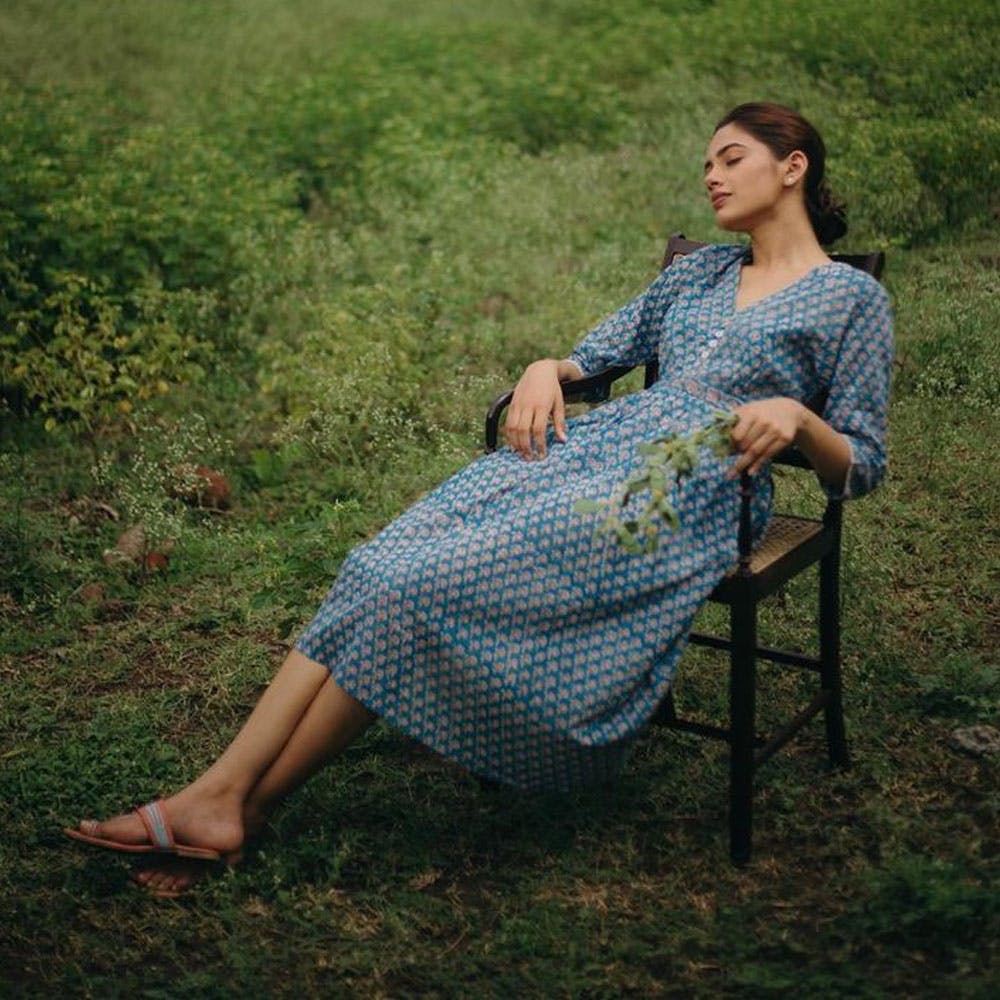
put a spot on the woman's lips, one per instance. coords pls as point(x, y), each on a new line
point(718, 199)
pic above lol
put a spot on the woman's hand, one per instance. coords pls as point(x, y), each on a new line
point(763, 428)
point(537, 396)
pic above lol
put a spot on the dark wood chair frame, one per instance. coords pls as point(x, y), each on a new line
point(814, 540)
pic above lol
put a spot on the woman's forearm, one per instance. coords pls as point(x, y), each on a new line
point(827, 449)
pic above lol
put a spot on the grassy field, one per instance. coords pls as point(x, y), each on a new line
point(306, 243)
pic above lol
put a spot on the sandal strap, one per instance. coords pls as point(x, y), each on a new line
point(154, 819)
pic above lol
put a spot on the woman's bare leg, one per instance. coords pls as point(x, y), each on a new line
point(209, 811)
point(331, 722)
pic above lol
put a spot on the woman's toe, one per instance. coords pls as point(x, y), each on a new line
point(175, 875)
point(127, 829)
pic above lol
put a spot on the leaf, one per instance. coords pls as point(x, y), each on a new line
point(262, 599)
point(587, 506)
point(681, 456)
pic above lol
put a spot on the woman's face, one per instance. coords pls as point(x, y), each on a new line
point(745, 180)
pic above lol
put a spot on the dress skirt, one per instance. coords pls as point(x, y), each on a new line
point(495, 625)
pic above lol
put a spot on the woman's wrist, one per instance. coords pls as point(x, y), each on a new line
point(802, 415)
point(568, 370)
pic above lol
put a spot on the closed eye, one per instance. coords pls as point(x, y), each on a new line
point(732, 163)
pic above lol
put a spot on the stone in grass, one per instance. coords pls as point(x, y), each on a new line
point(131, 547)
point(156, 560)
point(981, 741)
point(91, 593)
point(201, 486)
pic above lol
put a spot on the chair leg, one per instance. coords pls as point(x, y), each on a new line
point(829, 645)
point(742, 694)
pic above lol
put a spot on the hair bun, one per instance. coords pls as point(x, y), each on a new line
point(827, 213)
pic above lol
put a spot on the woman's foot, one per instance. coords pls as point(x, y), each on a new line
point(197, 817)
point(169, 878)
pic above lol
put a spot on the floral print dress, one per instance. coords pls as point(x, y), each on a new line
point(492, 624)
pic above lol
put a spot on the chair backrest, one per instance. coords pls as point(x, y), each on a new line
point(871, 263)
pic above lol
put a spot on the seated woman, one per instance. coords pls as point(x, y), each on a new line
point(489, 621)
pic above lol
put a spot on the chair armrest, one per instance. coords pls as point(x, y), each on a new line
point(594, 388)
point(792, 456)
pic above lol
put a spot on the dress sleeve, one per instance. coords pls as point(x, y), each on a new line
point(631, 335)
point(858, 401)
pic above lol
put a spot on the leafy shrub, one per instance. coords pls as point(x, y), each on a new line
point(118, 250)
point(351, 391)
point(321, 128)
point(94, 364)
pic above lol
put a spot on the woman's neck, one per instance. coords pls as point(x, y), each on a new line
point(786, 245)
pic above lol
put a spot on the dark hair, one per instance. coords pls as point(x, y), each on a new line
point(783, 131)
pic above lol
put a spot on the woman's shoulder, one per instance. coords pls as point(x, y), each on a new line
point(854, 277)
point(859, 288)
point(705, 265)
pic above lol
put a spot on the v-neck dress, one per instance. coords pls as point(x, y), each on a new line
point(491, 623)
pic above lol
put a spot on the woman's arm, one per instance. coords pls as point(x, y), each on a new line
point(767, 426)
point(631, 335)
point(847, 444)
point(827, 449)
point(628, 336)
point(569, 370)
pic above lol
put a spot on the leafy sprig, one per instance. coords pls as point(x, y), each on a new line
point(668, 457)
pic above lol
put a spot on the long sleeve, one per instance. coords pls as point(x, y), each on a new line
point(858, 400)
point(631, 335)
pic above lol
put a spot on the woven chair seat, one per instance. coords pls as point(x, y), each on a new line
point(783, 534)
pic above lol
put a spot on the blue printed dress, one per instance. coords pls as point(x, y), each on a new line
point(490, 622)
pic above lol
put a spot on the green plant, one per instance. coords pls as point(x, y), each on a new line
point(962, 687)
point(930, 905)
point(92, 368)
point(119, 251)
point(668, 460)
point(148, 485)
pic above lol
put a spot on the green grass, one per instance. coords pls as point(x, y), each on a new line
point(399, 206)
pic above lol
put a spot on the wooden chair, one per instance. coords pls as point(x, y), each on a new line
point(790, 545)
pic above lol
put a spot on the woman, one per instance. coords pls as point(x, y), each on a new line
point(489, 621)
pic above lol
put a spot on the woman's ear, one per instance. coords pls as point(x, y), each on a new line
point(795, 166)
